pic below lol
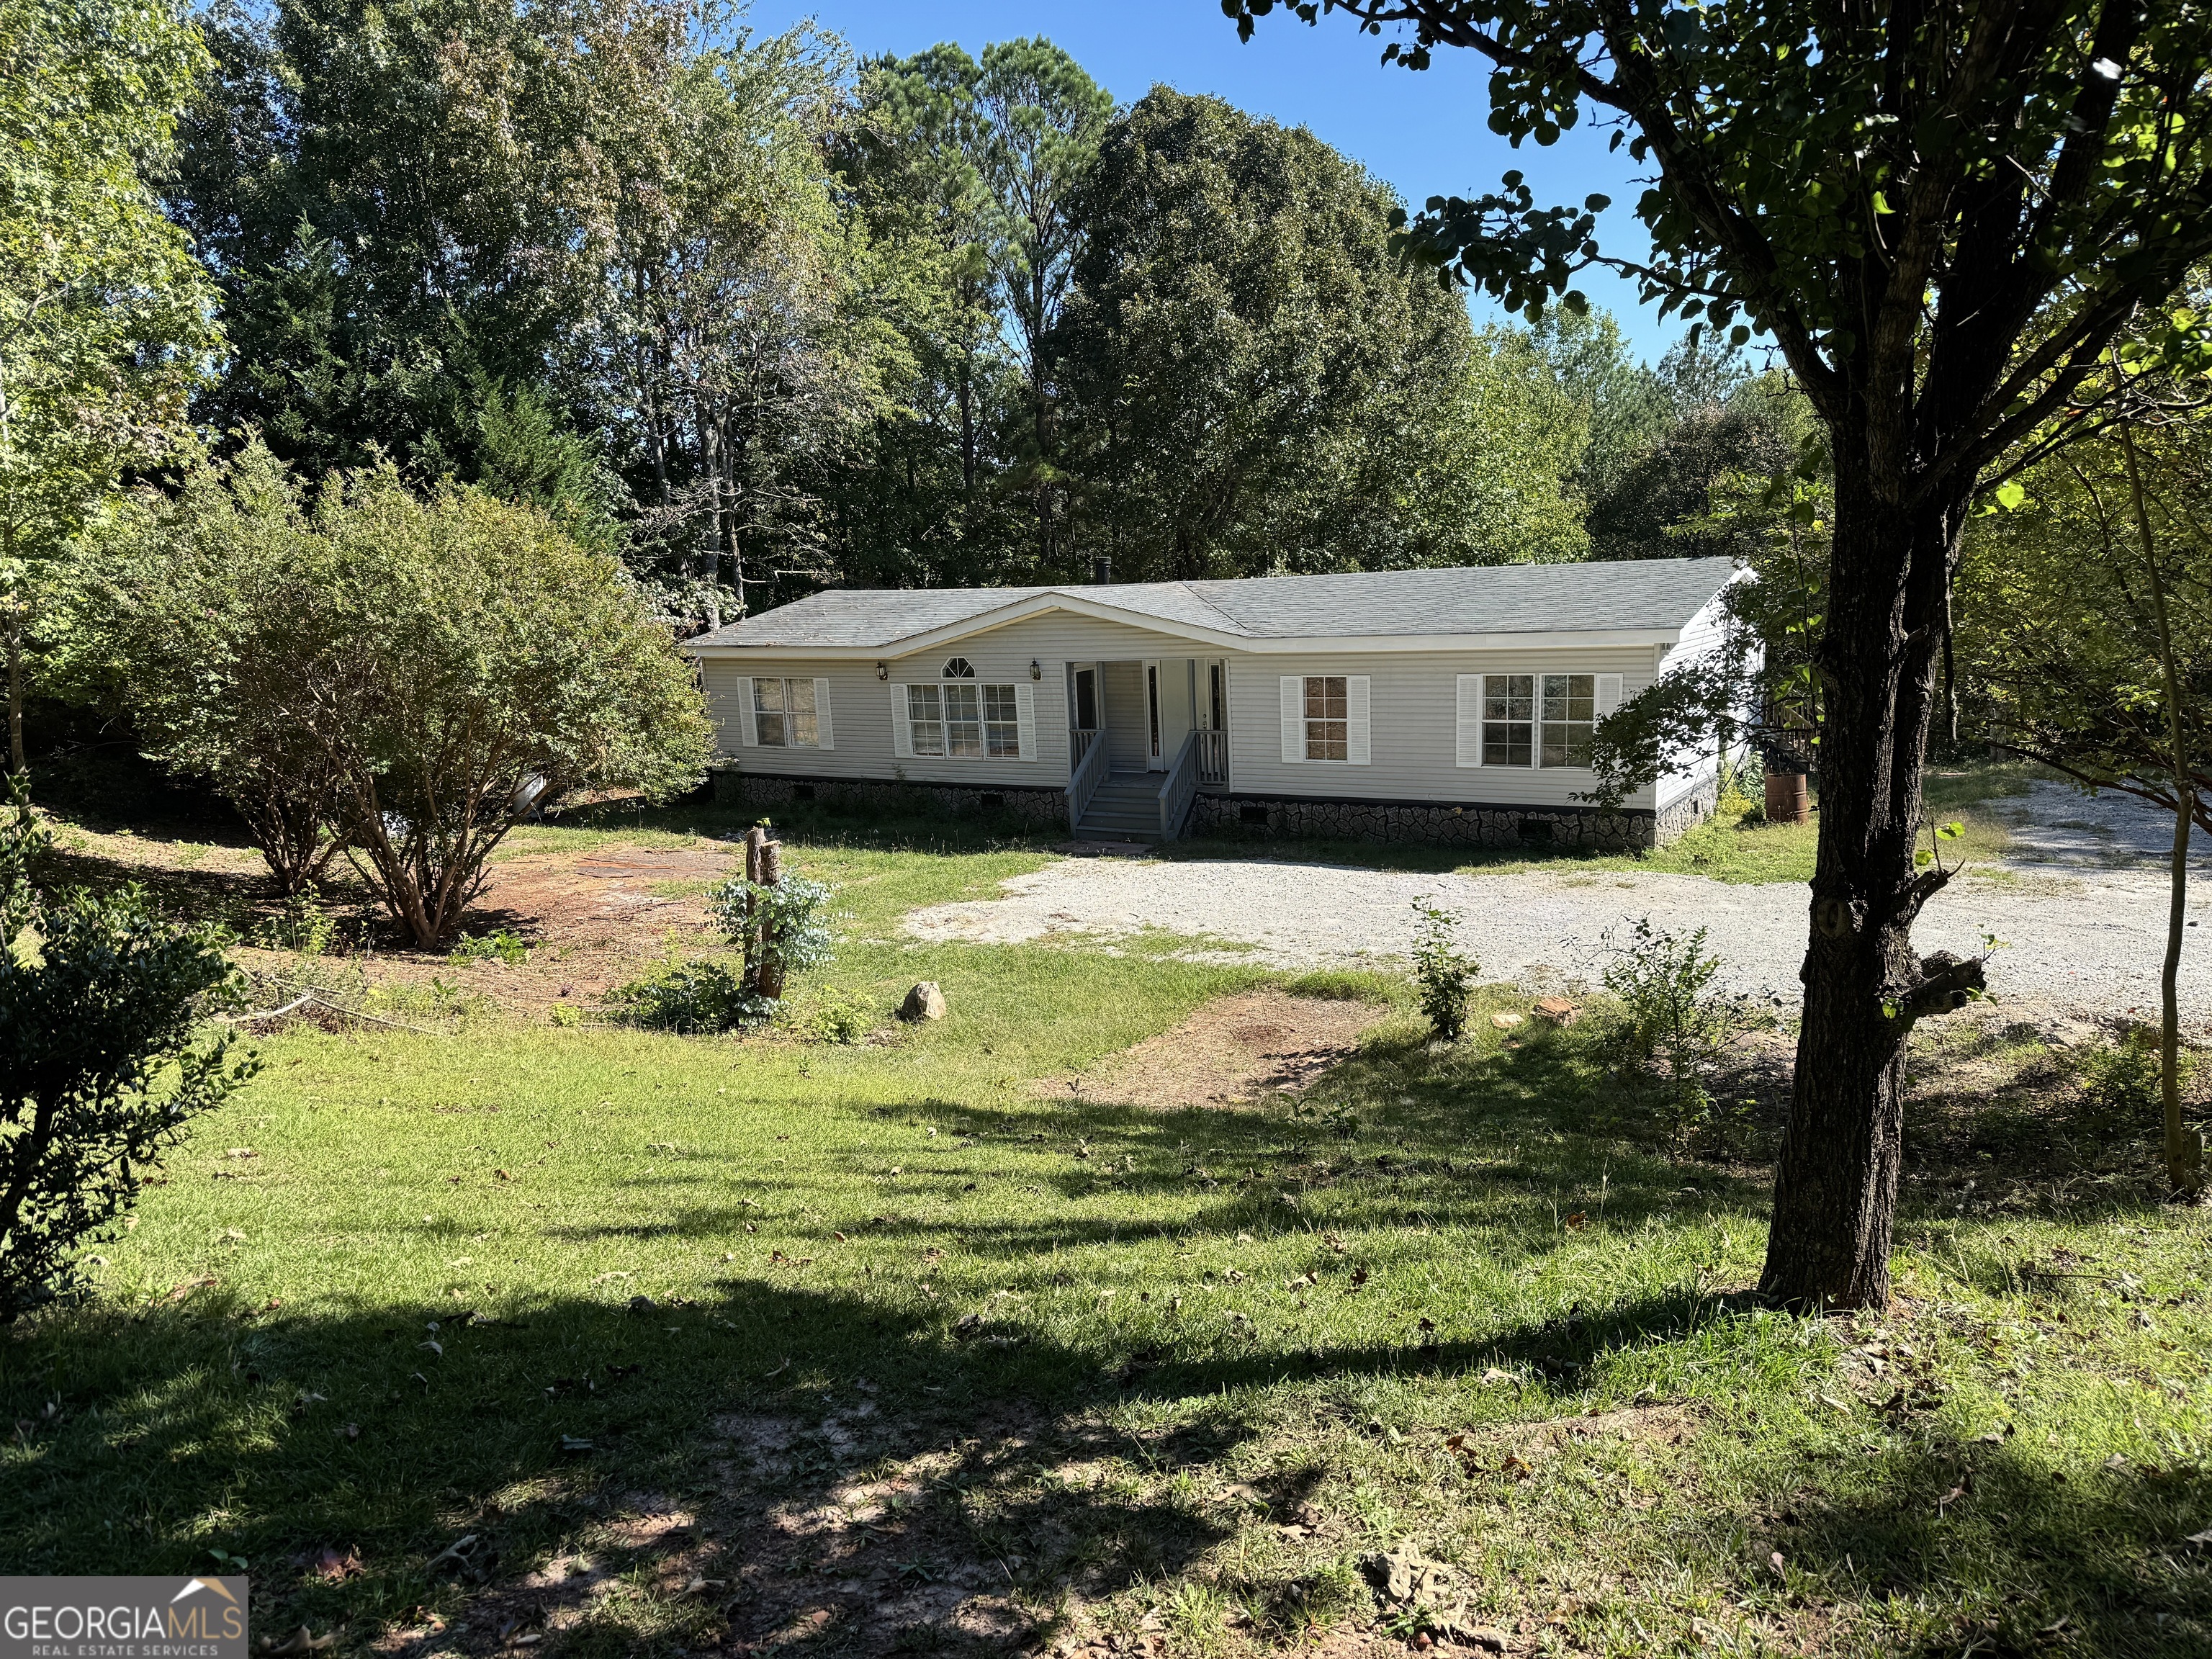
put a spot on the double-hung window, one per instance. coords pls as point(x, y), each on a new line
point(1508, 719)
point(1536, 721)
point(785, 716)
point(1327, 718)
point(965, 721)
point(1569, 716)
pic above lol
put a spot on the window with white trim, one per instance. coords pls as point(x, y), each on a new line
point(1569, 716)
point(965, 722)
point(1508, 719)
point(1327, 718)
point(959, 668)
point(784, 713)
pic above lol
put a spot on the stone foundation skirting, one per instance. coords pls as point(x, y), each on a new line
point(1677, 818)
point(1626, 829)
point(1045, 809)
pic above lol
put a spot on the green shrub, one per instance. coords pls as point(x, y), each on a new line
point(788, 922)
point(304, 928)
point(703, 996)
point(2122, 1080)
point(501, 947)
point(1445, 973)
point(100, 1066)
point(835, 1019)
point(403, 676)
point(1670, 1026)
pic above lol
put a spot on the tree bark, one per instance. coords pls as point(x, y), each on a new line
point(1835, 1195)
point(17, 763)
point(2184, 1154)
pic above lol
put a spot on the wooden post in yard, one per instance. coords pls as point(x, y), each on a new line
point(756, 839)
point(771, 875)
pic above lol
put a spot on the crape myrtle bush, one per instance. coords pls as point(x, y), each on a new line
point(399, 675)
point(100, 1062)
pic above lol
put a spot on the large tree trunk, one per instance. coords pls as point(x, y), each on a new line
point(1835, 1195)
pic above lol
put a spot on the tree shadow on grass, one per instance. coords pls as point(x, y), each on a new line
point(827, 1467)
point(2001, 1554)
point(777, 1465)
point(771, 1463)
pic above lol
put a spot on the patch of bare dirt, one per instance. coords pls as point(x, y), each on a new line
point(1227, 1052)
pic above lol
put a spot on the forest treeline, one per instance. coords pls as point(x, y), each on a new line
point(764, 318)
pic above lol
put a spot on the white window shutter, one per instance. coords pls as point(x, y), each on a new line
point(822, 735)
point(1469, 729)
point(1025, 711)
point(1608, 694)
point(901, 725)
point(1355, 718)
point(748, 719)
point(1294, 718)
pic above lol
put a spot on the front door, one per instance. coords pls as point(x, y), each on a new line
point(1128, 719)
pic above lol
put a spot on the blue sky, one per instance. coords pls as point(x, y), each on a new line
point(1427, 134)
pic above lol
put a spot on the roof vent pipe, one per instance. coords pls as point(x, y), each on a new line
point(1101, 571)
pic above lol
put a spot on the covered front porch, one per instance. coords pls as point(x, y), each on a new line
point(1148, 734)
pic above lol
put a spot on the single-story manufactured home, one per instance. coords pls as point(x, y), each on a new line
point(1450, 705)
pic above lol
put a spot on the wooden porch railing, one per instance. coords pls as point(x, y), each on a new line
point(1087, 772)
point(1212, 758)
point(1180, 789)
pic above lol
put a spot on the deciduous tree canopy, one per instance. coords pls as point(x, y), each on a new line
point(1941, 218)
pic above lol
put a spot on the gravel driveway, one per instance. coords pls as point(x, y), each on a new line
point(2081, 902)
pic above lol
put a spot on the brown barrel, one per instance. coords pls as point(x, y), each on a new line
point(1786, 801)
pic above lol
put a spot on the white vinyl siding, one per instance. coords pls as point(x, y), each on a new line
point(1423, 718)
point(1412, 712)
point(822, 714)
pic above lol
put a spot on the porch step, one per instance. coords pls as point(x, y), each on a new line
point(1123, 809)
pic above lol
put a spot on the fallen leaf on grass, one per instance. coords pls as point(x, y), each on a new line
point(1577, 1221)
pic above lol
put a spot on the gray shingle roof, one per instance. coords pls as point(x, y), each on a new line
point(1514, 598)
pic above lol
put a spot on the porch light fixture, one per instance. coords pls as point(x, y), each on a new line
point(1035, 672)
point(883, 671)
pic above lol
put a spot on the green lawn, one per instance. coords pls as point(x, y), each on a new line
point(710, 1343)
